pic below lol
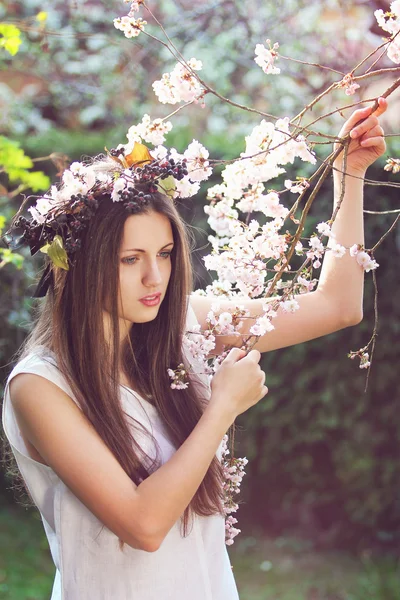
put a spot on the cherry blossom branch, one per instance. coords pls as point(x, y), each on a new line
point(382, 212)
point(384, 71)
point(304, 62)
point(375, 330)
point(393, 225)
point(364, 60)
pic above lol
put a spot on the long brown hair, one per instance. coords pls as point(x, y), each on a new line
point(70, 323)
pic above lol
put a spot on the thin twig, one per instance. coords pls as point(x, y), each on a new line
point(375, 330)
point(393, 225)
point(303, 62)
point(382, 212)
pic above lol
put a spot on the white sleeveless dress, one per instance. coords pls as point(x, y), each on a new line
point(89, 564)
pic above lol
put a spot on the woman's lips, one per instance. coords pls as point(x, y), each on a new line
point(151, 300)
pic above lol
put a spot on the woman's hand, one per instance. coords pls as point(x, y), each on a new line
point(367, 141)
point(239, 382)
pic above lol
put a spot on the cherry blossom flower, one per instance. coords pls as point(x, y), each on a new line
point(262, 326)
point(149, 131)
point(119, 186)
point(392, 164)
point(365, 363)
point(130, 26)
point(233, 470)
point(265, 58)
point(338, 251)
point(134, 6)
point(180, 85)
point(290, 305)
point(350, 86)
point(316, 244)
point(363, 356)
point(197, 161)
point(297, 187)
point(179, 377)
point(325, 229)
point(390, 22)
point(306, 285)
point(366, 262)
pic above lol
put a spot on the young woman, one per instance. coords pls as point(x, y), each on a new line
point(125, 470)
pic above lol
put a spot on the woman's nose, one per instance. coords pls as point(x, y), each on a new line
point(152, 276)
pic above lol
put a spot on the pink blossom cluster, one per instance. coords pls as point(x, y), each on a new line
point(363, 258)
point(233, 470)
point(263, 323)
point(199, 344)
point(130, 26)
point(390, 22)
point(198, 167)
point(78, 179)
point(181, 85)
point(297, 187)
point(350, 86)
point(153, 132)
point(179, 377)
point(392, 164)
point(226, 322)
point(363, 356)
point(265, 58)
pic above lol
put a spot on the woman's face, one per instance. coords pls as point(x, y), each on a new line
point(145, 267)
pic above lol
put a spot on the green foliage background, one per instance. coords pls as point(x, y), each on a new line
point(324, 455)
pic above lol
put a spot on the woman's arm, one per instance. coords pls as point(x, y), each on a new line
point(337, 301)
point(342, 280)
point(140, 515)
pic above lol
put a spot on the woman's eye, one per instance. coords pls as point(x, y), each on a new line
point(129, 260)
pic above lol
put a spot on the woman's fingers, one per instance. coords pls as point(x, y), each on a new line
point(373, 141)
point(382, 106)
point(373, 132)
point(369, 123)
point(363, 115)
point(356, 117)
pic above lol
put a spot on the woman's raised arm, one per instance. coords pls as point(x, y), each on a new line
point(337, 301)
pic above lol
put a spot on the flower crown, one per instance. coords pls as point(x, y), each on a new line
point(59, 218)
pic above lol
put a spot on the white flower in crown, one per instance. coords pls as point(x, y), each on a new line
point(119, 186)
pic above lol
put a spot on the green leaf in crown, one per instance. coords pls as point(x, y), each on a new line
point(167, 186)
point(56, 253)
